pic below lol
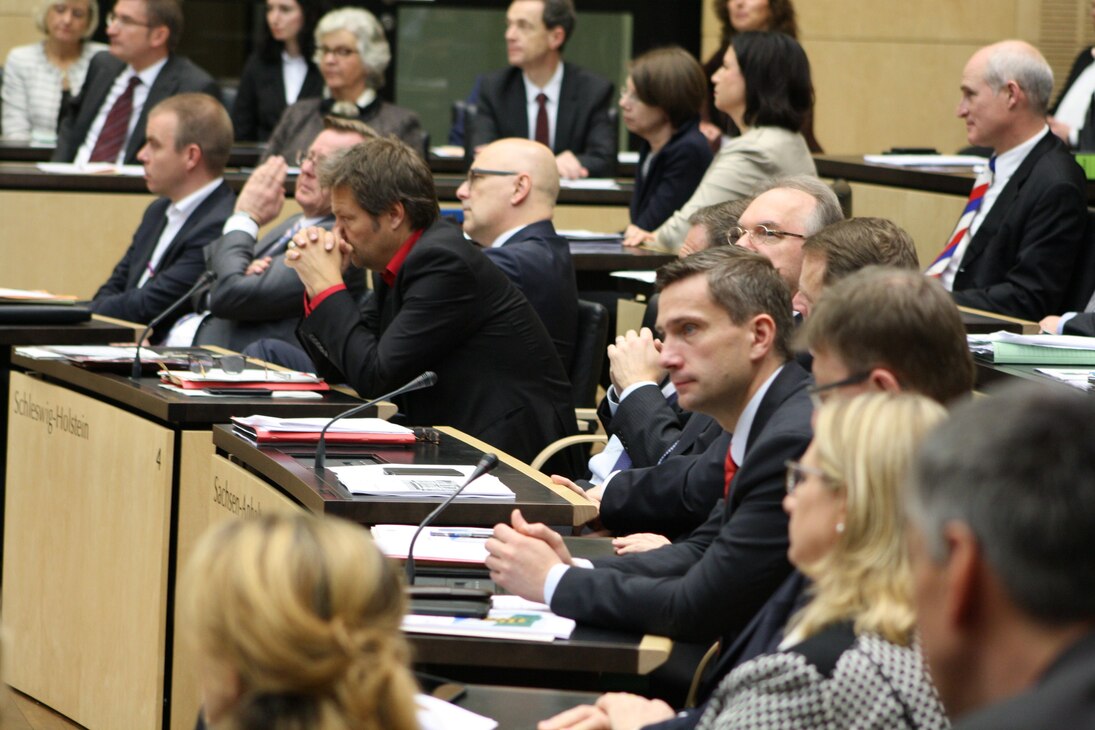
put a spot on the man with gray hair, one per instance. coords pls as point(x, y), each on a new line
point(1016, 246)
point(1002, 506)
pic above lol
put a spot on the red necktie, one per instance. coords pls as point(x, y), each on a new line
point(731, 470)
point(116, 127)
point(542, 135)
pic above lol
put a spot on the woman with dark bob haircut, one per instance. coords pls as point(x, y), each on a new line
point(742, 16)
point(660, 103)
point(281, 69)
point(764, 85)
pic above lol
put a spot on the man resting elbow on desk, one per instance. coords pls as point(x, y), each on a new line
point(727, 319)
point(438, 304)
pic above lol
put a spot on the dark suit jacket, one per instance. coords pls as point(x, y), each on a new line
point(651, 429)
point(583, 125)
point(303, 121)
point(260, 101)
point(451, 311)
point(537, 260)
point(1082, 324)
point(674, 174)
point(245, 309)
point(179, 268)
point(178, 76)
point(678, 495)
point(1022, 260)
point(710, 585)
point(1062, 698)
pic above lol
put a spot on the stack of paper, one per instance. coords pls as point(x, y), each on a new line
point(249, 378)
point(1011, 348)
point(439, 544)
point(267, 429)
point(37, 296)
point(436, 714)
point(510, 617)
point(419, 482)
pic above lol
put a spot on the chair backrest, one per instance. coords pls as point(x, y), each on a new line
point(843, 192)
point(589, 352)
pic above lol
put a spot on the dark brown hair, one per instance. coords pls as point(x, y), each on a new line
point(743, 283)
point(672, 80)
point(782, 19)
point(381, 172)
point(850, 245)
point(897, 319)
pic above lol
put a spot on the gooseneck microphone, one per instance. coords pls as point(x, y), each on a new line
point(425, 380)
point(204, 280)
point(487, 462)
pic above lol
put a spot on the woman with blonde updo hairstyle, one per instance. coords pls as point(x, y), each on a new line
point(296, 620)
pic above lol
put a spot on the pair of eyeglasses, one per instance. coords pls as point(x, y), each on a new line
point(201, 363)
point(820, 393)
point(309, 156)
point(339, 52)
point(761, 234)
point(126, 21)
point(477, 172)
point(797, 473)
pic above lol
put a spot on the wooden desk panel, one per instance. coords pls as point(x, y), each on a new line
point(86, 555)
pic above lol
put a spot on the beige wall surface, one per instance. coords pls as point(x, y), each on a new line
point(887, 71)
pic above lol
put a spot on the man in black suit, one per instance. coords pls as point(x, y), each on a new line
point(572, 117)
point(727, 320)
point(508, 201)
point(1001, 508)
point(438, 305)
point(255, 295)
point(1017, 251)
point(189, 137)
point(139, 71)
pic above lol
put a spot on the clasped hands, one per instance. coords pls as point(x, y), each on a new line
point(319, 257)
point(520, 556)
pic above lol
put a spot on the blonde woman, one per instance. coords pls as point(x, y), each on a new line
point(38, 76)
point(849, 657)
point(296, 620)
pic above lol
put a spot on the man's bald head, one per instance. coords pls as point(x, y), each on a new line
point(512, 183)
point(1005, 94)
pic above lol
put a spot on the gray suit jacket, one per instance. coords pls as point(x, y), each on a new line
point(303, 121)
point(178, 76)
point(244, 309)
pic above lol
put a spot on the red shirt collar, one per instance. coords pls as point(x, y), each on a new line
point(392, 269)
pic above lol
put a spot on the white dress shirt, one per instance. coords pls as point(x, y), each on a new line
point(1073, 107)
point(177, 213)
point(293, 71)
point(140, 95)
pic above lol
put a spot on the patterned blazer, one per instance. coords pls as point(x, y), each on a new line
point(834, 679)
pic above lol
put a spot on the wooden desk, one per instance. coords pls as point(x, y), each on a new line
point(592, 659)
point(289, 471)
point(978, 321)
point(98, 468)
point(86, 222)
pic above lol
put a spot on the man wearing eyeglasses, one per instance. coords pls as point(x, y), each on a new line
point(106, 122)
point(255, 295)
point(508, 202)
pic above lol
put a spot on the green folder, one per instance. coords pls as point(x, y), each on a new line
point(1008, 353)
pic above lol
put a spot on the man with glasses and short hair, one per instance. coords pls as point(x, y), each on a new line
point(106, 122)
point(888, 329)
point(255, 295)
point(508, 202)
